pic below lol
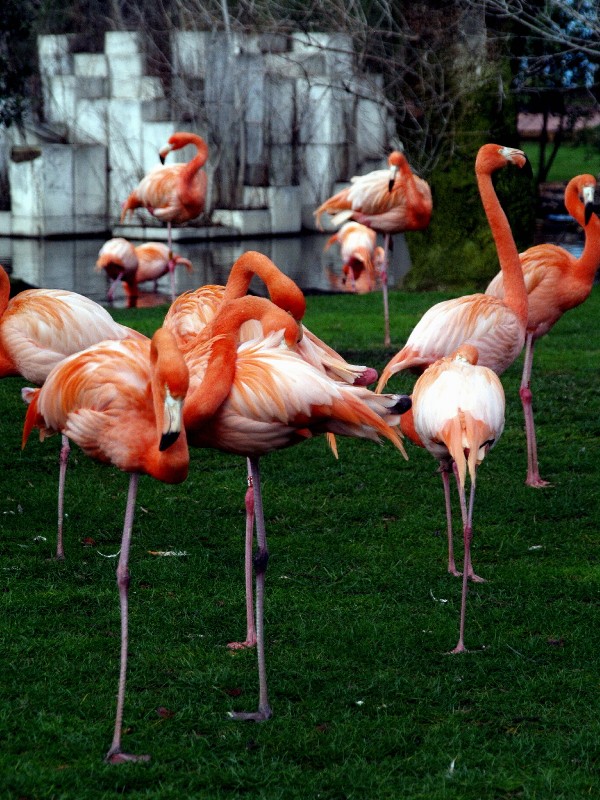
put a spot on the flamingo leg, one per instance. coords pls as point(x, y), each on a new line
point(470, 574)
point(111, 289)
point(445, 469)
point(115, 755)
point(533, 472)
point(261, 558)
point(467, 518)
point(62, 474)
point(172, 276)
point(384, 288)
point(248, 568)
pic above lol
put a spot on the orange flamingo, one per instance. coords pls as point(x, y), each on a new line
point(556, 281)
point(496, 327)
point(121, 402)
point(458, 411)
point(39, 328)
point(389, 201)
point(174, 193)
point(361, 259)
point(134, 265)
point(192, 311)
point(254, 397)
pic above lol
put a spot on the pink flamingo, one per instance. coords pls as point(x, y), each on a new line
point(556, 281)
point(458, 412)
point(388, 201)
point(121, 402)
point(134, 265)
point(254, 397)
point(361, 259)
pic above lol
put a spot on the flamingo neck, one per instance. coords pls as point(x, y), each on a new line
point(515, 294)
point(282, 290)
point(588, 263)
point(7, 365)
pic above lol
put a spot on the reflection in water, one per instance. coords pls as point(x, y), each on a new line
point(70, 264)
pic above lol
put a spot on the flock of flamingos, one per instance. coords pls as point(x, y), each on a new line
point(244, 375)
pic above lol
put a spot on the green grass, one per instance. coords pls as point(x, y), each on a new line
point(570, 160)
point(367, 704)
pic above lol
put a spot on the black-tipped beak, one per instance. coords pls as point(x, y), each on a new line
point(162, 158)
point(167, 439)
point(403, 404)
point(390, 184)
point(587, 212)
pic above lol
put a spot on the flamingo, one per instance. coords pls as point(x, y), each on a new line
point(121, 402)
point(388, 201)
point(361, 258)
point(458, 410)
point(556, 282)
point(254, 397)
point(175, 192)
point(134, 265)
point(39, 328)
point(192, 311)
point(496, 327)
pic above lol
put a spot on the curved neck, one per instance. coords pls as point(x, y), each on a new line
point(588, 262)
point(515, 294)
point(199, 159)
point(282, 290)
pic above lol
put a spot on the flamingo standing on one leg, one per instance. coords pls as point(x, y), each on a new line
point(192, 311)
point(134, 265)
point(256, 397)
point(121, 402)
point(458, 410)
point(388, 201)
point(361, 259)
point(556, 281)
point(496, 327)
point(175, 192)
point(39, 328)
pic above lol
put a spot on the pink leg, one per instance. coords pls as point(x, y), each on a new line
point(261, 558)
point(172, 276)
point(250, 627)
point(111, 289)
point(384, 288)
point(470, 574)
point(62, 474)
point(115, 755)
point(467, 518)
point(533, 472)
point(444, 470)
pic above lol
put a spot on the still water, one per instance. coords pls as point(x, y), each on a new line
point(70, 264)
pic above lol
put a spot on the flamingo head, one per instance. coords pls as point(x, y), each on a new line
point(396, 161)
point(466, 353)
point(494, 156)
point(588, 190)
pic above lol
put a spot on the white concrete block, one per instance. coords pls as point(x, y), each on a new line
point(90, 65)
point(285, 205)
point(91, 122)
point(297, 65)
point(189, 52)
point(125, 67)
point(255, 197)
point(252, 221)
point(122, 43)
point(140, 89)
point(371, 129)
point(320, 110)
point(60, 98)
point(54, 54)
point(251, 86)
point(281, 165)
point(90, 184)
point(154, 136)
point(280, 99)
point(337, 50)
point(124, 152)
point(321, 167)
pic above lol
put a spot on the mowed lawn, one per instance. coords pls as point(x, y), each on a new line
point(360, 611)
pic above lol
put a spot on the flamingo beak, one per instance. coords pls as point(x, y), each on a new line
point(164, 152)
point(588, 199)
point(393, 173)
point(172, 416)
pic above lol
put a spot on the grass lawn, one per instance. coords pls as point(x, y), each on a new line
point(570, 160)
point(360, 612)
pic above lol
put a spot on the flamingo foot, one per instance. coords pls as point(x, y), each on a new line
point(118, 757)
point(242, 645)
point(460, 648)
point(453, 571)
point(536, 482)
point(475, 578)
point(262, 715)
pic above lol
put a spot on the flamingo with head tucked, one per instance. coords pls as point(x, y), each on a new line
point(556, 281)
point(254, 397)
point(121, 402)
point(458, 412)
point(389, 201)
point(173, 193)
point(361, 259)
point(122, 261)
